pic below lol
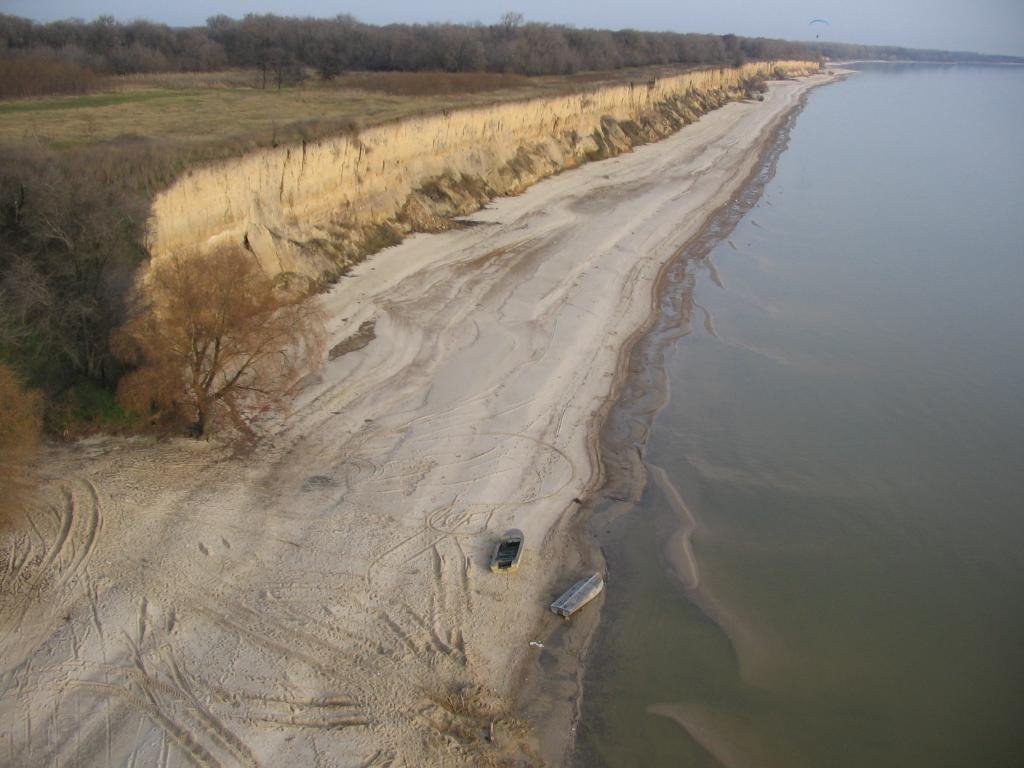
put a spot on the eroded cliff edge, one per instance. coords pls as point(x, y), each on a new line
point(314, 209)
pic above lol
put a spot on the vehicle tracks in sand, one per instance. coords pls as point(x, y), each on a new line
point(285, 643)
point(199, 717)
point(48, 573)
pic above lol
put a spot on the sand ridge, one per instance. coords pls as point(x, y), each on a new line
point(320, 600)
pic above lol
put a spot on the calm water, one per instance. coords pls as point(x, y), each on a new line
point(846, 429)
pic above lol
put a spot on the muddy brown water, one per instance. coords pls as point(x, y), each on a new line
point(826, 563)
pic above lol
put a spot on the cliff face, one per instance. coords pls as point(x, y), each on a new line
point(314, 208)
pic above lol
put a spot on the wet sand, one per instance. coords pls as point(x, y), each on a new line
point(326, 596)
point(641, 393)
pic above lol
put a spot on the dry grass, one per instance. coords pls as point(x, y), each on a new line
point(227, 78)
point(188, 116)
point(34, 75)
point(479, 725)
point(200, 108)
point(20, 412)
point(204, 115)
point(431, 83)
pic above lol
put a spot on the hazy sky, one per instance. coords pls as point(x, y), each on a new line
point(989, 26)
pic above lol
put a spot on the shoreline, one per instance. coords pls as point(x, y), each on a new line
point(618, 491)
point(333, 583)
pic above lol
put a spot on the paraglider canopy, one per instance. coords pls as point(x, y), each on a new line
point(812, 23)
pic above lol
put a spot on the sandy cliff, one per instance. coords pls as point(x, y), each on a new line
point(315, 208)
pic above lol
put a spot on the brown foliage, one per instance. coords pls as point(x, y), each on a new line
point(20, 420)
point(431, 83)
point(38, 75)
point(216, 338)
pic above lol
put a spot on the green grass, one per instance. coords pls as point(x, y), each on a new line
point(86, 408)
point(199, 116)
point(91, 100)
point(195, 110)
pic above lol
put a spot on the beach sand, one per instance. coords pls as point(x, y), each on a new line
point(324, 598)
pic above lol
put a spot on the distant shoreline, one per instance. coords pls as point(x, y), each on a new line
point(969, 62)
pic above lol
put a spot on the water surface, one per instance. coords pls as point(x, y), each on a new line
point(845, 436)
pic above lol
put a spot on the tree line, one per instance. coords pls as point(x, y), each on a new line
point(279, 45)
point(854, 52)
point(70, 244)
point(67, 56)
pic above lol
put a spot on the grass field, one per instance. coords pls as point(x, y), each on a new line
point(82, 102)
point(209, 107)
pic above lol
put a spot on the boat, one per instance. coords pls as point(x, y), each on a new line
point(508, 551)
point(578, 595)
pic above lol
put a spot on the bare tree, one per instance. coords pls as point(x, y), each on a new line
point(68, 251)
point(511, 21)
point(216, 337)
point(64, 54)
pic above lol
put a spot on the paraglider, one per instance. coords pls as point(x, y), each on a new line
point(811, 24)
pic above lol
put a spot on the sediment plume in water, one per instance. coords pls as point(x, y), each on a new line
point(679, 549)
point(645, 393)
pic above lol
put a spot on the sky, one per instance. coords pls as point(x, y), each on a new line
point(986, 26)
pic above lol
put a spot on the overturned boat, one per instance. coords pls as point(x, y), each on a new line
point(508, 551)
point(578, 595)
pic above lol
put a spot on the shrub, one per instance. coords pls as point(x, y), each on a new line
point(213, 336)
point(39, 74)
point(20, 419)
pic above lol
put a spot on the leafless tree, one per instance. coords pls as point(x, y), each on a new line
point(281, 46)
point(214, 337)
point(512, 21)
point(67, 254)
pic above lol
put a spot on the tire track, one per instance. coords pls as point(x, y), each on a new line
point(453, 602)
point(284, 646)
point(324, 713)
point(370, 647)
point(213, 725)
point(419, 634)
point(84, 543)
point(464, 570)
point(50, 584)
point(400, 545)
point(20, 552)
point(263, 629)
point(195, 752)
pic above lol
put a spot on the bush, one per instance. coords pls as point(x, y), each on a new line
point(39, 74)
point(69, 247)
point(228, 344)
point(83, 408)
point(20, 421)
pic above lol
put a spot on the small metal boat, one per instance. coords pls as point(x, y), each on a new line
point(578, 595)
point(508, 551)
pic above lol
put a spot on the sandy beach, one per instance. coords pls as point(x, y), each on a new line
point(324, 598)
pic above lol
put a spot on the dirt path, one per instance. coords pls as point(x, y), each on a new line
point(319, 601)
